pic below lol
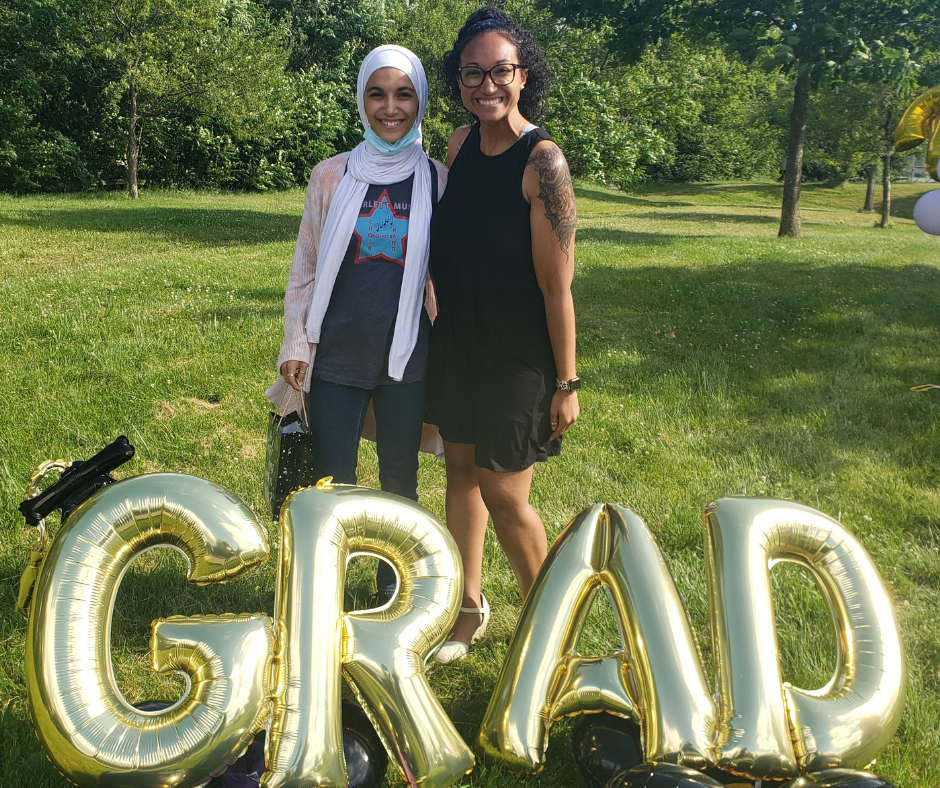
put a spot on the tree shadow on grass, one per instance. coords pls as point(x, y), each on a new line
point(903, 207)
point(660, 194)
point(22, 760)
point(628, 238)
point(711, 218)
point(200, 226)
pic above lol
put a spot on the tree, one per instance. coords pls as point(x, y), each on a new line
point(813, 40)
point(329, 39)
point(716, 115)
point(895, 73)
point(844, 133)
point(810, 40)
point(160, 57)
point(53, 125)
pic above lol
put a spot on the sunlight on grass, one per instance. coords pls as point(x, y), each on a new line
point(718, 359)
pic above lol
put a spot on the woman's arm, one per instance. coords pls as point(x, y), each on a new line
point(292, 360)
point(546, 184)
point(430, 295)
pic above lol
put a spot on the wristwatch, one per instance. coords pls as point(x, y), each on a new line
point(568, 385)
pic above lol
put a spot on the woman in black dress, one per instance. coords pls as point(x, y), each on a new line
point(502, 378)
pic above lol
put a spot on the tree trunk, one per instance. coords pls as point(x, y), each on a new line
point(870, 192)
point(886, 188)
point(793, 177)
point(133, 117)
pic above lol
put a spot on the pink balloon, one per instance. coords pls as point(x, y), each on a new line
point(927, 212)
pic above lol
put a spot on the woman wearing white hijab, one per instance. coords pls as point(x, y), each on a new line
point(354, 326)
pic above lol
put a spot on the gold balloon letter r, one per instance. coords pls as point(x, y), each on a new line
point(381, 652)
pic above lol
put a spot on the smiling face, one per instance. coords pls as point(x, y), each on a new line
point(488, 101)
point(391, 104)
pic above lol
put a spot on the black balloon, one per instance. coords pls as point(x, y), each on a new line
point(604, 745)
point(154, 705)
point(366, 760)
point(801, 782)
point(662, 775)
point(843, 778)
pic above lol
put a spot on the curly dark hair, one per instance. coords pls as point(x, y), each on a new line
point(531, 56)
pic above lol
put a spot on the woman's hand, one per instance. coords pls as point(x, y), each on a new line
point(565, 410)
point(294, 373)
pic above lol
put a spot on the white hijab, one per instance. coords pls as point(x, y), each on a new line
point(368, 166)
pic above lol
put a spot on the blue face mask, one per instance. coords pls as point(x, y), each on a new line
point(389, 148)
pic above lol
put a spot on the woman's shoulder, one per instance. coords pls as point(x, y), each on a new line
point(459, 134)
point(457, 138)
point(542, 148)
point(329, 171)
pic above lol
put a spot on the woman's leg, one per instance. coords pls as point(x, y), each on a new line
point(466, 521)
point(399, 414)
point(336, 413)
point(518, 526)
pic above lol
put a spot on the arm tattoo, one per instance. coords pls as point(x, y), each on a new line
point(556, 192)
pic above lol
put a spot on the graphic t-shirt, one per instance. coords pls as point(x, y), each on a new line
point(357, 329)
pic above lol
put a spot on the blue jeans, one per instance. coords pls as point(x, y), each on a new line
point(337, 413)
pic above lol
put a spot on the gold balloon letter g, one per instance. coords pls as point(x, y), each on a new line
point(90, 732)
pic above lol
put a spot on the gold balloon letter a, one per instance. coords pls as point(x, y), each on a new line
point(91, 734)
point(381, 652)
point(543, 678)
point(850, 720)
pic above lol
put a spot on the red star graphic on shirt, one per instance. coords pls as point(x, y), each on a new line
point(381, 234)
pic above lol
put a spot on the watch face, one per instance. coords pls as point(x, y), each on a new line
point(574, 384)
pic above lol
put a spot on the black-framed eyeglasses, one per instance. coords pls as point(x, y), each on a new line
point(501, 74)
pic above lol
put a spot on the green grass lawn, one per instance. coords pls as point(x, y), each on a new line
point(718, 359)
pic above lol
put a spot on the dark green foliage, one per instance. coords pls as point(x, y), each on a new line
point(333, 35)
point(636, 24)
point(847, 129)
point(716, 116)
point(252, 94)
point(329, 39)
point(55, 128)
point(203, 152)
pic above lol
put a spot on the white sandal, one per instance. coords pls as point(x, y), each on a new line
point(453, 650)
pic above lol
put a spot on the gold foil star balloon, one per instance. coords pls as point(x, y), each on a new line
point(921, 122)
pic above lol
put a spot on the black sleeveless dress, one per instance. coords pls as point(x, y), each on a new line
point(491, 371)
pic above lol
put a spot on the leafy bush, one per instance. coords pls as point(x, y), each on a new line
point(599, 143)
point(713, 112)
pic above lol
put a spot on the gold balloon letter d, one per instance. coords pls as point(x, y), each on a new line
point(851, 719)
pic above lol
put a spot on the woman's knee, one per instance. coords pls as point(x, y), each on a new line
point(460, 465)
point(506, 494)
point(509, 507)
